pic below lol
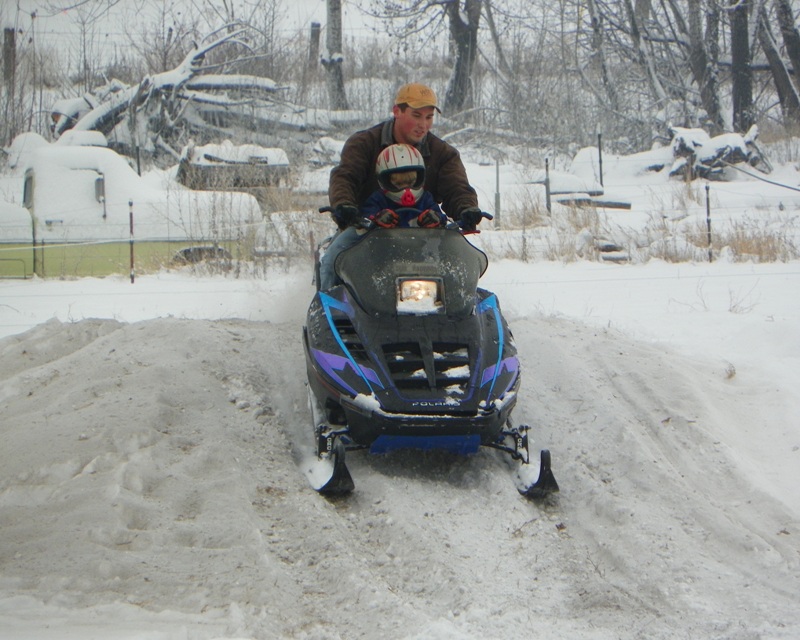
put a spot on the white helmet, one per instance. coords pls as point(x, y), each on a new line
point(400, 159)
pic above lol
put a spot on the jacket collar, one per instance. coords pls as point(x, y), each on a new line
point(387, 138)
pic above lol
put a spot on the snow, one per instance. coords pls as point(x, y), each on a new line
point(152, 484)
point(226, 151)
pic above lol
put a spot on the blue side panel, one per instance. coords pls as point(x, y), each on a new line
point(327, 303)
point(461, 445)
point(490, 304)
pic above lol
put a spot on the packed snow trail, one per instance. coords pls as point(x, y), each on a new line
point(153, 467)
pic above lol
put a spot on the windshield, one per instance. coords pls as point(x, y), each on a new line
point(372, 267)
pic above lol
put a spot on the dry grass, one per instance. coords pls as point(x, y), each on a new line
point(762, 239)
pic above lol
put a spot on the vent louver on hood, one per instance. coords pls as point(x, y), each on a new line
point(413, 367)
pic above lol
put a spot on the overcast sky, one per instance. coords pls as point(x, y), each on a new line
point(59, 25)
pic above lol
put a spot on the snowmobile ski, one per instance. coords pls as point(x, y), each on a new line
point(330, 475)
point(546, 482)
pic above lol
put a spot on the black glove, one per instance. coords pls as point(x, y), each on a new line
point(386, 218)
point(429, 219)
point(344, 215)
point(469, 218)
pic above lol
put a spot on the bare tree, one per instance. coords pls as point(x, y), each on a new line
point(703, 63)
point(741, 71)
point(422, 20)
point(791, 36)
point(784, 85)
point(502, 61)
point(9, 83)
point(464, 22)
point(31, 65)
point(86, 15)
point(164, 37)
point(598, 55)
point(334, 58)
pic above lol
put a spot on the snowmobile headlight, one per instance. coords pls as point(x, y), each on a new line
point(419, 296)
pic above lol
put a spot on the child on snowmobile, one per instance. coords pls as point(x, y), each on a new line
point(400, 201)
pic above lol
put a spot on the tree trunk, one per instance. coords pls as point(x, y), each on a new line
point(464, 32)
point(644, 58)
point(599, 57)
point(10, 81)
point(704, 68)
point(741, 72)
point(333, 61)
point(791, 37)
point(787, 92)
point(502, 62)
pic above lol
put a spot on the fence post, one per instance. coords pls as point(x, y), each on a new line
point(130, 216)
point(708, 225)
point(600, 156)
point(547, 184)
point(497, 193)
point(33, 245)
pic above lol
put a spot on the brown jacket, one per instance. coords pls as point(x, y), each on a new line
point(354, 180)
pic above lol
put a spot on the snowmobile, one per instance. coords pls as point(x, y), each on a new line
point(409, 353)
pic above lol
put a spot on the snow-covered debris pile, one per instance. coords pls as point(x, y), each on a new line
point(699, 155)
point(226, 165)
point(228, 153)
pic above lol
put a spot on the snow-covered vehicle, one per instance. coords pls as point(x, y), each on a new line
point(85, 201)
point(408, 353)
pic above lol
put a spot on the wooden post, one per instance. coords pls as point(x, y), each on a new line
point(497, 193)
point(313, 46)
point(9, 75)
point(708, 225)
point(600, 155)
point(9, 56)
point(130, 216)
point(547, 185)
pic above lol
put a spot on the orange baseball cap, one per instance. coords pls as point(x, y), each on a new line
point(416, 96)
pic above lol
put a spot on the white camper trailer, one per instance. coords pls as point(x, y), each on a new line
point(87, 201)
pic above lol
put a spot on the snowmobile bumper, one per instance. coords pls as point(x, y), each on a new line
point(459, 445)
point(369, 425)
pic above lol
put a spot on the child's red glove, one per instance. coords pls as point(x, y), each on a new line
point(429, 219)
point(386, 218)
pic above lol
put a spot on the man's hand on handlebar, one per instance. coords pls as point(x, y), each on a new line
point(345, 215)
point(470, 218)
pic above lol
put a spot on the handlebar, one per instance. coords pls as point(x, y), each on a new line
point(366, 223)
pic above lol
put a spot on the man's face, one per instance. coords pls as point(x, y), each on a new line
point(411, 125)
